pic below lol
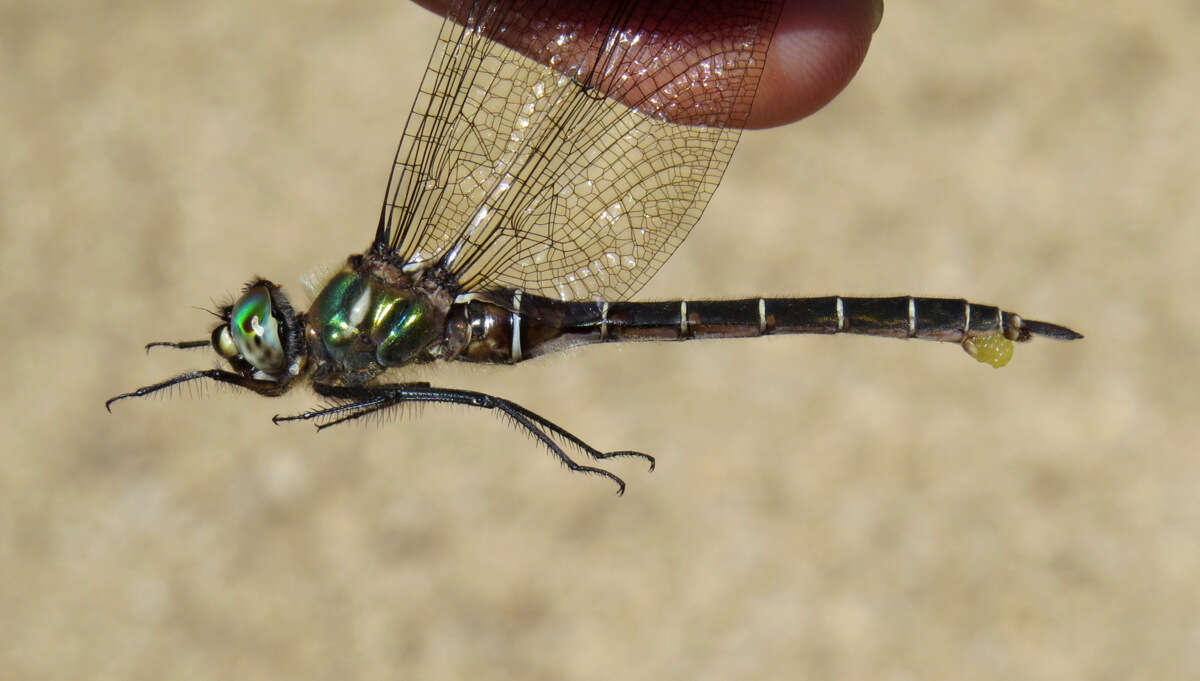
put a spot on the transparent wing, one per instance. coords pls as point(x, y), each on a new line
point(575, 171)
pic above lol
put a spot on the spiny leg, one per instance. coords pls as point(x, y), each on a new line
point(369, 399)
point(365, 400)
point(567, 435)
point(179, 345)
point(353, 407)
point(352, 410)
point(219, 375)
point(566, 460)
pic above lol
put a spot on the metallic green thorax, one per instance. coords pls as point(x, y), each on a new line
point(365, 325)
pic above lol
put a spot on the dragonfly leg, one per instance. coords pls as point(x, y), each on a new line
point(358, 401)
point(179, 345)
point(269, 388)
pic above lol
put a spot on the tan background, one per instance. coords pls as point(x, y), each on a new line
point(824, 507)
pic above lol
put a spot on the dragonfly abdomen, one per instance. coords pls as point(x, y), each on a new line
point(530, 326)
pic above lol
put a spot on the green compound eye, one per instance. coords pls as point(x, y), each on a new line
point(255, 331)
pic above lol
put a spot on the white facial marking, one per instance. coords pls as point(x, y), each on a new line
point(225, 345)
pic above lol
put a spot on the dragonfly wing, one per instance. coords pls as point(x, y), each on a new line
point(575, 166)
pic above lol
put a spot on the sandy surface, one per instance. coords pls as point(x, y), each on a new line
point(833, 508)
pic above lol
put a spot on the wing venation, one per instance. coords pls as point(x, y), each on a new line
point(576, 166)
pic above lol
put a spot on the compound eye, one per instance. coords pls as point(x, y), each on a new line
point(255, 331)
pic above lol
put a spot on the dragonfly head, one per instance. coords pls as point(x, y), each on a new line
point(261, 336)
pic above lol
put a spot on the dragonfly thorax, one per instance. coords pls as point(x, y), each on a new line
point(367, 319)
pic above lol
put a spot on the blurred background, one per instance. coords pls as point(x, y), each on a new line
point(823, 507)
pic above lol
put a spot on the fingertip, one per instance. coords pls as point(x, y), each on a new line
point(817, 48)
point(438, 7)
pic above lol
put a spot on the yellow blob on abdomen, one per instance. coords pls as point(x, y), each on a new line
point(992, 348)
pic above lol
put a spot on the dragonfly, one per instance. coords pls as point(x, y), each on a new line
point(556, 155)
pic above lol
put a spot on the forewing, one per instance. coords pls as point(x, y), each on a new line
point(576, 166)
